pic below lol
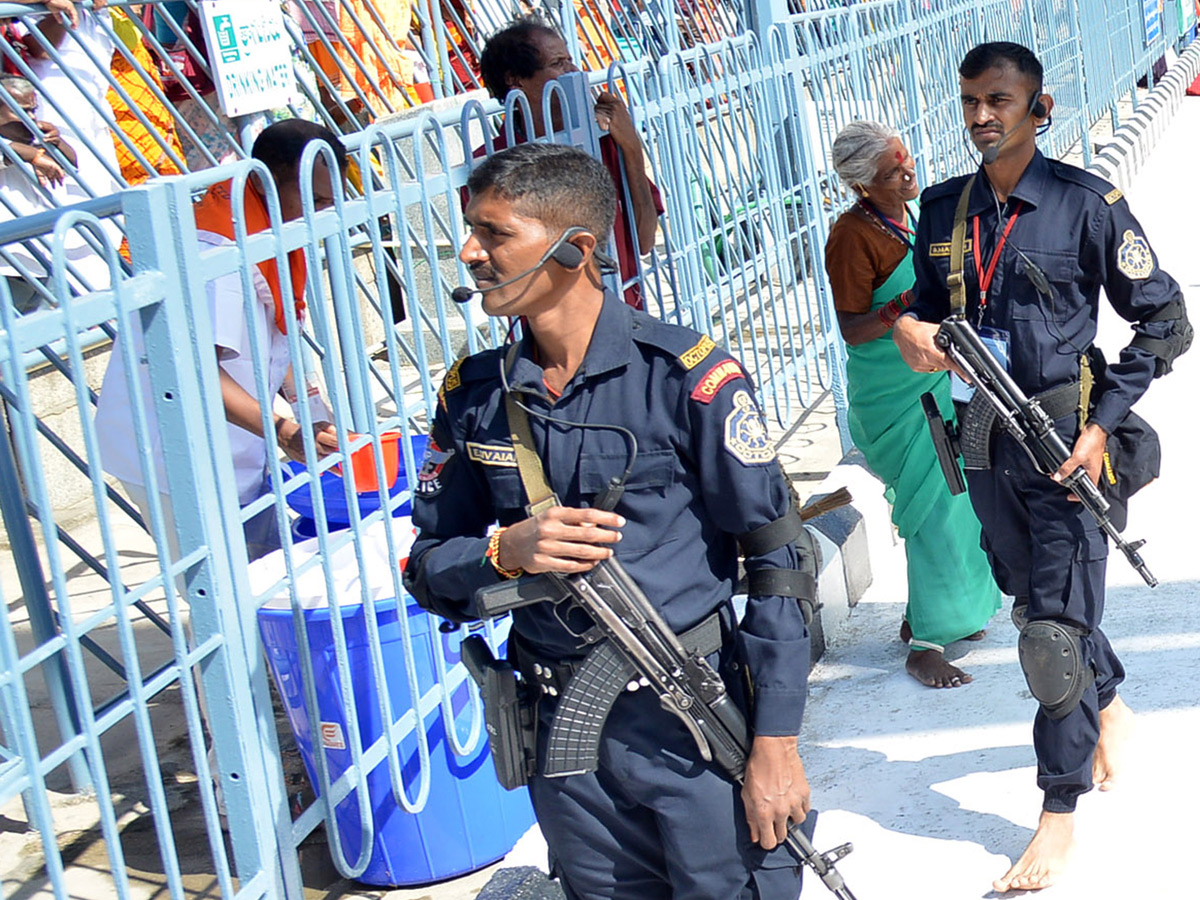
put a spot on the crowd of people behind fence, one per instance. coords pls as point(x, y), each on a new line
point(99, 98)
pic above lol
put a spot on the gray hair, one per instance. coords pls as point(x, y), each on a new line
point(17, 86)
point(857, 148)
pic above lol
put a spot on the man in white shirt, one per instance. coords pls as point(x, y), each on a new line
point(279, 147)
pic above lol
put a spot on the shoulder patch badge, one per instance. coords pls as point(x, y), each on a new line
point(746, 432)
point(718, 376)
point(491, 454)
point(1113, 196)
point(450, 382)
point(1134, 259)
point(429, 479)
point(693, 357)
point(944, 249)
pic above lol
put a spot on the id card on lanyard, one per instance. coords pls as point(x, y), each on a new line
point(998, 343)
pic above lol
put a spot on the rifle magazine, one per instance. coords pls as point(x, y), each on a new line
point(573, 746)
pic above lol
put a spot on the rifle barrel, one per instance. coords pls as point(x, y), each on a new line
point(1029, 424)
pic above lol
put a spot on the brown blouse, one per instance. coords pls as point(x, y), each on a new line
point(859, 257)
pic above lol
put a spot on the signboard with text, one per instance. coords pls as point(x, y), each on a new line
point(1153, 19)
point(250, 54)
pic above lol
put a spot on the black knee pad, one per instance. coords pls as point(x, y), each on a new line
point(1052, 659)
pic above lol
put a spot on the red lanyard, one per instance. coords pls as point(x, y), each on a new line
point(897, 225)
point(985, 278)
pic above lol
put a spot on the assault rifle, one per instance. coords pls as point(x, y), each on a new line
point(631, 640)
point(1026, 421)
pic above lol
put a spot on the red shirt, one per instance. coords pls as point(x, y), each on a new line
point(628, 258)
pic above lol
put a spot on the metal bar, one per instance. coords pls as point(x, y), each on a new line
point(37, 604)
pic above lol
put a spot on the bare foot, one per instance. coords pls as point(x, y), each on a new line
point(931, 669)
point(906, 633)
point(1046, 856)
point(1116, 724)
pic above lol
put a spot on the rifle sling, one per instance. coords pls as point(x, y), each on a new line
point(537, 490)
point(1087, 379)
point(958, 243)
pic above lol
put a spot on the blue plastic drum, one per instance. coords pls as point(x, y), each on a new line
point(469, 821)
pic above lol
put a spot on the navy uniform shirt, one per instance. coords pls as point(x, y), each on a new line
point(705, 472)
point(1078, 230)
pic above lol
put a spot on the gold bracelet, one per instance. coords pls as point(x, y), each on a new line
point(493, 555)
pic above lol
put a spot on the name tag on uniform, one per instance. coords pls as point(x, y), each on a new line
point(944, 249)
point(998, 343)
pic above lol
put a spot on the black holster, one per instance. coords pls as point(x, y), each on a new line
point(509, 714)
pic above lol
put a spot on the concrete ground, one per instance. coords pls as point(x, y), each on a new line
point(936, 788)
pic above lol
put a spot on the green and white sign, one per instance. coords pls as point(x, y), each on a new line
point(250, 55)
point(1187, 16)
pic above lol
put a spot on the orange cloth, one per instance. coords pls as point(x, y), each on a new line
point(215, 213)
point(596, 40)
point(396, 14)
point(156, 114)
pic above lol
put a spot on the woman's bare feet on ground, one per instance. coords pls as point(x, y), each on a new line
point(906, 633)
point(1046, 856)
point(1116, 724)
point(931, 669)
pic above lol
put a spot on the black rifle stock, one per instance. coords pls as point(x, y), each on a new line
point(633, 640)
point(1026, 421)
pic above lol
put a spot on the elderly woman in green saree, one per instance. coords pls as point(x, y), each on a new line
point(951, 594)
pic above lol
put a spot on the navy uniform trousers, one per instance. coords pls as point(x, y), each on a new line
point(1050, 554)
point(654, 822)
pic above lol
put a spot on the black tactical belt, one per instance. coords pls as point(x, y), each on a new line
point(979, 422)
point(1056, 403)
point(552, 677)
point(1060, 401)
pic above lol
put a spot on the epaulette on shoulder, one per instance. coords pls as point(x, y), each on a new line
point(950, 188)
point(688, 348)
point(477, 367)
point(1084, 178)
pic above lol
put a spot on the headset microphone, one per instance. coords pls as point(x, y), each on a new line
point(561, 251)
point(1036, 108)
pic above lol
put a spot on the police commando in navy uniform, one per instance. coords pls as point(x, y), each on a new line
point(1043, 238)
point(655, 820)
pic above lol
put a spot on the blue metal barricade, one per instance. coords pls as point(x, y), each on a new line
point(203, 575)
point(737, 129)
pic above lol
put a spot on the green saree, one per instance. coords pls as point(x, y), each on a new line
point(951, 593)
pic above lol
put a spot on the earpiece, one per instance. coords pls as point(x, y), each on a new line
point(561, 251)
point(567, 254)
point(1038, 108)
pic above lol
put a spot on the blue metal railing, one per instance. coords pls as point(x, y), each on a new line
point(737, 132)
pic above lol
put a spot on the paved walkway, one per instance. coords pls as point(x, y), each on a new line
point(936, 788)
